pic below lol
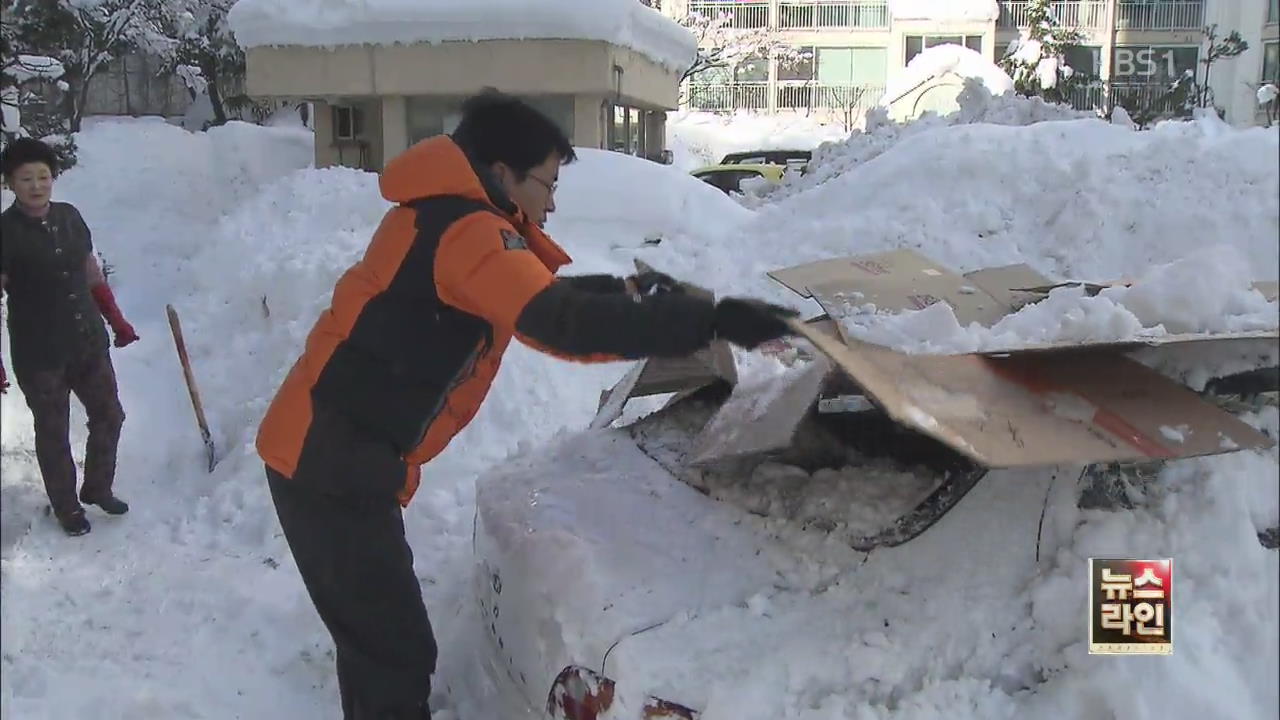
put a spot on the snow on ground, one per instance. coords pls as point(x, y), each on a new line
point(700, 138)
point(384, 22)
point(190, 605)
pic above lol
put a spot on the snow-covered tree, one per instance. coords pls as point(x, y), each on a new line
point(83, 35)
point(25, 79)
point(722, 46)
point(1037, 60)
point(1228, 47)
point(202, 52)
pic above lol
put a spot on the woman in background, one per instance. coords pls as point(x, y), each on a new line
point(58, 298)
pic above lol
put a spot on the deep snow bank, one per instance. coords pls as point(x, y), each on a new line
point(1078, 199)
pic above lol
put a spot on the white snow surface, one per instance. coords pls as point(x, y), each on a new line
point(974, 11)
point(1207, 292)
point(324, 23)
point(1267, 93)
point(947, 59)
point(190, 606)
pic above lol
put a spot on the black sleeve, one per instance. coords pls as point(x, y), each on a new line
point(564, 319)
point(596, 283)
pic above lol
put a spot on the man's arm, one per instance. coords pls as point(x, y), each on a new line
point(602, 284)
point(515, 292)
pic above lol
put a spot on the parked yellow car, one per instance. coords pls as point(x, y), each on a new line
point(772, 165)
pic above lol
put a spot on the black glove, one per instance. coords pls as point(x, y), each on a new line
point(747, 322)
point(652, 282)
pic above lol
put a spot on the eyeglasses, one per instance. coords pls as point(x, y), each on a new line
point(550, 186)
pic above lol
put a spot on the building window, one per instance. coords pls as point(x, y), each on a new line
point(1271, 63)
point(1143, 64)
point(1085, 60)
point(848, 66)
point(802, 70)
point(627, 130)
point(348, 122)
point(752, 69)
point(1273, 11)
point(916, 44)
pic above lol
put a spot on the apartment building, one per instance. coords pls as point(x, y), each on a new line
point(1132, 49)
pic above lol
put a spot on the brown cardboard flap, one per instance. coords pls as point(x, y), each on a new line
point(1040, 409)
point(902, 280)
point(1005, 284)
point(763, 418)
point(1124, 346)
point(667, 375)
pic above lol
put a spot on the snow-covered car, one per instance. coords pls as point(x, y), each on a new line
point(609, 557)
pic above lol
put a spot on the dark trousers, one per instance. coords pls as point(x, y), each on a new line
point(48, 393)
point(358, 570)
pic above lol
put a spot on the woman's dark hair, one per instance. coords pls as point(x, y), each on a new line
point(21, 151)
point(496, 127)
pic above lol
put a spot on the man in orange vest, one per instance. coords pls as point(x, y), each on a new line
point(402, 359)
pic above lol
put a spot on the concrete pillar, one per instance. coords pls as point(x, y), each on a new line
point(1108, 52)
point(656, 132)
point(395, 129)
point(588, 123)
point(322, 118)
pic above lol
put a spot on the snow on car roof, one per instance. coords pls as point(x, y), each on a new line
point(324, 23)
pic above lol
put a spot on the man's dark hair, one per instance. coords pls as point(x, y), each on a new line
point(496, 127)
point(25, 150)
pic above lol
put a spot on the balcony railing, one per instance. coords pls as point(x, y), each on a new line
point(1136, 97)
point(811, 96)
point(1170, 15)
point(719, 97)
point(742, 15)
point(1071, 13)
point(853, 15)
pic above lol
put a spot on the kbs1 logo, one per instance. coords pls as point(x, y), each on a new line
point(1130, 607)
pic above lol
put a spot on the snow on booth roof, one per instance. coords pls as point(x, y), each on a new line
point(941, 60)
point(945, 10)
point(326, 23)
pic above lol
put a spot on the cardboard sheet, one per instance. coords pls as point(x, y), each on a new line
point(1047, 409)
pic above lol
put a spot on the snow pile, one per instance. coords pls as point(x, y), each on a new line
point(652, 201)
point(322, 23)
point(973, 11)
point(1080, 199)
point(942, 60)
point(1267, 94)
point(1207, 292)
point(977, 105)
point(698, 139)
